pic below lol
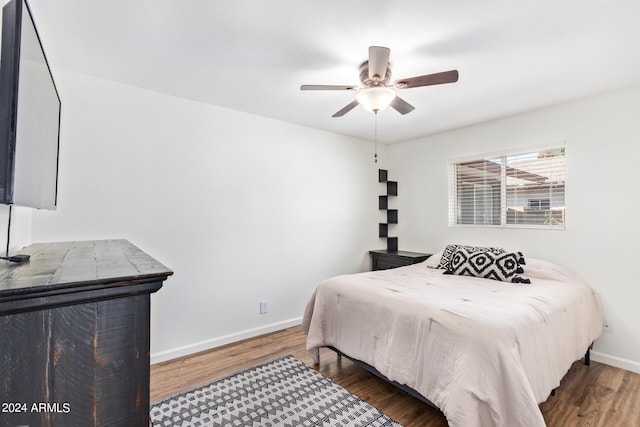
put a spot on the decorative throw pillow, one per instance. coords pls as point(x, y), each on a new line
point(434, 260)
point(520, 258)
point(487, 264)
point(447, 254)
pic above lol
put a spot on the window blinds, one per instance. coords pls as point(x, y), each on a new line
point(526, 189)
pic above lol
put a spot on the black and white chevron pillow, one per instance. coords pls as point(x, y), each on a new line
point(487, 264)
point(449, 250)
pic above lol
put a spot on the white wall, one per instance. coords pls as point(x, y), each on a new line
point(242, 208)
point(602, 137)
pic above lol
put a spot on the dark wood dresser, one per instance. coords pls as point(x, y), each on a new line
point(74, 335)
point(384, 259)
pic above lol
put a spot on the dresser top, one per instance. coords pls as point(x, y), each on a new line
point(63, 267)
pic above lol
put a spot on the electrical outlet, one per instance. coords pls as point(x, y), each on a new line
point(264, 307)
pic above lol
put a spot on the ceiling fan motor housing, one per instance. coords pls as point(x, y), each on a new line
point(376, 80)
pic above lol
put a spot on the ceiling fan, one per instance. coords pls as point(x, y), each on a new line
point(376, 93)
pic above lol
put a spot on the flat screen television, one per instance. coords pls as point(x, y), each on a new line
point(29, 114)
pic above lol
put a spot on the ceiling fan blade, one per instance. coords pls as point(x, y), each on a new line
point(378, 62)
point(428, 80)
point(346, 109)
point(401, 106)
point(327, 87)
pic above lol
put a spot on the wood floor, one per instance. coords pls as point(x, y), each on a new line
point(596, 396)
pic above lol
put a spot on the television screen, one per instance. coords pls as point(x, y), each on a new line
point(29, 114)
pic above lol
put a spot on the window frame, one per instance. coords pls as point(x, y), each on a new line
point(453, 202)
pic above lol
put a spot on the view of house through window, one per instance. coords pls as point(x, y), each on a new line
point(522, 189)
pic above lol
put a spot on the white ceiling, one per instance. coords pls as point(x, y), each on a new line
point(253, 55)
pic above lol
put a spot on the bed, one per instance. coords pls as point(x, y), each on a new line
point(485, 352)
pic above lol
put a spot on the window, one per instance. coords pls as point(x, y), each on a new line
point(539, 204)
point(526, 189)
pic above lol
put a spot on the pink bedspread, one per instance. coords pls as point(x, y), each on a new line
point(485, 352)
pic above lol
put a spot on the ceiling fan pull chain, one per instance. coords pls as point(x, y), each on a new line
point(375, 136)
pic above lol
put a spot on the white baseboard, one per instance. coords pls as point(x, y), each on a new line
point(226, 339)
point(618, 362)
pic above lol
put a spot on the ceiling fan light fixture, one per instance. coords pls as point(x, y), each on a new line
point(376, 93)
point(376, 98)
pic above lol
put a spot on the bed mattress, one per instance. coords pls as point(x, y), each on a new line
point(483, 351)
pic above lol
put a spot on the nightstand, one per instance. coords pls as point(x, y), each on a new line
point(384, 259)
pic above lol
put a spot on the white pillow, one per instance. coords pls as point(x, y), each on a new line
point(434, 260)
point(547, 270)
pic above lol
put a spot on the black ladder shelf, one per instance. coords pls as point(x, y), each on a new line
point(392, 214)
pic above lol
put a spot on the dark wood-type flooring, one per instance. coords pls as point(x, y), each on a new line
point(596, 396)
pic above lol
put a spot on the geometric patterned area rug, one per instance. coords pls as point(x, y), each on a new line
point(284, 392)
